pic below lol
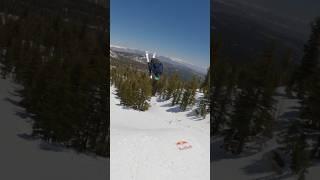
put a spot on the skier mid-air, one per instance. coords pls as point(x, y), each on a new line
point(155, 67)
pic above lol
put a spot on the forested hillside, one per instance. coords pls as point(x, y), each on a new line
point(60, 60)
point(272, 100)
point(135, 88)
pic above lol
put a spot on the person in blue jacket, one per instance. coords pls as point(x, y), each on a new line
point(155, 67)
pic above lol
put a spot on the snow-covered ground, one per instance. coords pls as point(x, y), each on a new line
point(22, 157)
point(143, 144)
point(258, 166)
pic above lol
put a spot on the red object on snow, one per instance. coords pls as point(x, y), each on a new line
point(182, 145)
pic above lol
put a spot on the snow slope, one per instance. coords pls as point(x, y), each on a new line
point(22, 157)
point(143, 144)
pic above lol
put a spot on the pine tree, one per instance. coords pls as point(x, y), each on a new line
point(188, 97)
point(241, 118)
point(299, 158)
point(204, 105)
point(221, 94)
point(310, 111)
point(172, 86)
point(309, 62)
point(177, 90)
point(146, 92)
point(253, 111)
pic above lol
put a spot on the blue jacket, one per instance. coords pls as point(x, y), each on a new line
point(155, 67)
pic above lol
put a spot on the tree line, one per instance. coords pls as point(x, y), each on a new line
point(135, 89)
point(62, 68)
point(244, 105)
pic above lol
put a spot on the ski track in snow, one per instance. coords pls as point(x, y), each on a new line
point(143, 144)
point(22, 158)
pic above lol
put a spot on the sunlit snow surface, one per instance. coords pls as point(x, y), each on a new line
point(22, 157)
point(143, 144)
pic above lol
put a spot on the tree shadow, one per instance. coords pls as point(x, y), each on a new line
point(51, 147)
point(167, 105)
point(42, 145)
point(259, 166)
point(23, 115)
point(16, 93)
point(12, 101)
point(161, 100)
point(217, 153)
point(290, 115)
point(194, 116)
point(27, 137)
point(295, 107)
point(175, 109)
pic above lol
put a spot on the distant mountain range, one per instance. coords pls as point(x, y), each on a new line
point(171, 65)
point(245, 31)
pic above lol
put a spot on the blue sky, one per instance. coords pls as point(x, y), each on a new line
point(173, 28)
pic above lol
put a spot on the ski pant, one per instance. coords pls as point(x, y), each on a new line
point(149, 67)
